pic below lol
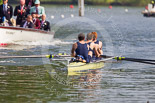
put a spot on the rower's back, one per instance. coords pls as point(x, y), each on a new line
point(90, 41)
point(97, 42)
point(80, 49)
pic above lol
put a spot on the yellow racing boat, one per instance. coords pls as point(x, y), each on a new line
point(74, 68)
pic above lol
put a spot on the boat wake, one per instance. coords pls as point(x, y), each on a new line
point(19, 45)
point(40, 43)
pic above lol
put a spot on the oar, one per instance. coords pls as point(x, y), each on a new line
point(146, 61)
point(34, 56)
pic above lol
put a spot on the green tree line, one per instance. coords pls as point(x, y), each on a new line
point(93, 2)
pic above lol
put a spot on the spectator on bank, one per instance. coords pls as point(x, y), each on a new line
point(29, 3)
point(153, 3)
point(28, 23)
point(21, 11)
point(6, 12)
point(36, 21)
point(45, 25)
point(37, 9)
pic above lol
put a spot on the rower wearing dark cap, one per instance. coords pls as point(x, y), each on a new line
point(80, 49)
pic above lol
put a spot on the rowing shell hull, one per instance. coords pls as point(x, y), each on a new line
point(15, 34)
point(77, 67)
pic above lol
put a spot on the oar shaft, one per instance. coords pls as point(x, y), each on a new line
point(106, 56)
point(34, 56)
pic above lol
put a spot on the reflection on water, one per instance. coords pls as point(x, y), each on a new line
point(31, 84)
point(37, 84)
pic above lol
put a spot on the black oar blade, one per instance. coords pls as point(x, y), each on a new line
point(134, 59)
point(146, 61)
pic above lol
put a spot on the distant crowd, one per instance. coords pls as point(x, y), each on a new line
point(29, 14)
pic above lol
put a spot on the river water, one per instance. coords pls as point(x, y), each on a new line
point(123, 33)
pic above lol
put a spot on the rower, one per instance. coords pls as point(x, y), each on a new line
point(80, 49)
point(97, 42)
point(93, 48)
